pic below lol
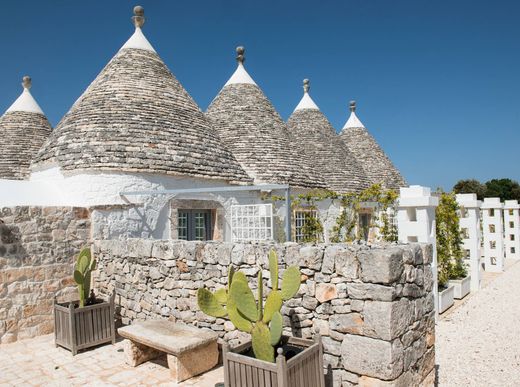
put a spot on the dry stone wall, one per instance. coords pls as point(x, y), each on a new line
point(37, 249)
point(372, 305)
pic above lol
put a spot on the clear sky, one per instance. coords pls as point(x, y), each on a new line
point(437, 82)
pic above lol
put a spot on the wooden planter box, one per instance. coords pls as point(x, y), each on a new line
point(446, 299)
point(303, 370)
point(79, 328)
point(462, 287)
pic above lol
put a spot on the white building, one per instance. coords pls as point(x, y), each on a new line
point(492, 228)
point(471, 236)
point(512, 229)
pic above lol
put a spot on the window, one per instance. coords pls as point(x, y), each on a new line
point(511, 237)
point(364, 224)
point(252, 222)
point(512, 250)
point(412, 214)
point(493, 260)
point(511, 224)
point(491, 212)
point(492, 244)
point(194, 225)
point(463, 213)
point(301, 219)
point(510, 212)
point(464, 233)
point(467, 254)
point(492, 228)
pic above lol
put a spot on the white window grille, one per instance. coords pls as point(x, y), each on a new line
point(252, 222)
point(301, 217)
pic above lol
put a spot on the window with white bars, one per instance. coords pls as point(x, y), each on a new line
point(252, 222)
point(300, 218)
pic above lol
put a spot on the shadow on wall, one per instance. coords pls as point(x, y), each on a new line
point(11, 246)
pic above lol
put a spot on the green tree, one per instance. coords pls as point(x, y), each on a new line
point(470, 186)
point(505, 189)
point(450, 263)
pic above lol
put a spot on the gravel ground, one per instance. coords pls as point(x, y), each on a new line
point(478, 344)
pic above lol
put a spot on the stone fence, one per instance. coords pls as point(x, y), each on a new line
point(373, 306)
point(37, 249)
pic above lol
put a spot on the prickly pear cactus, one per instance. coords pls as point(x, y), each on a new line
point(85, 264)
point(263, 321)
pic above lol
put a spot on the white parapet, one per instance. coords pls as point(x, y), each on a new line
point(416, 221)
point(512, 229)
point(492, 228)
point(469, 220)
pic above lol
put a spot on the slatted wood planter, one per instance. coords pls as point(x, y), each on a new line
point(303, 370)
point(79, 328)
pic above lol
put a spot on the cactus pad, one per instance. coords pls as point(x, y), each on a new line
point(238, 320)
point(209, 304)
point(244, 299)
point(275, 328)
point(273, 304)
point(261, 340)
point(273, 269)
point(221, 296)
point(291, 280)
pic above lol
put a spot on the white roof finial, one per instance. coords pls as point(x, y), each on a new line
point(240, 75)
point(306, 86)
point(353, 121)
point(25, 102)
point(306, 102)
point(138, 40)
point(26, 82)
point(138, 17)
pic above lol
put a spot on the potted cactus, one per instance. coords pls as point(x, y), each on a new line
point(270, 358)
point(88, 321)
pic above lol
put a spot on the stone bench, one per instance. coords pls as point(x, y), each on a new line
point(190, 351)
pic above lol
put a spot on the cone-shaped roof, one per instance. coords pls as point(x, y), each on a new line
point(253, 130)
point(376, 164)
point(329, 155)
point(136, 117)
point(23, 130)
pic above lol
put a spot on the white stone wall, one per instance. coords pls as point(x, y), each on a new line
point(492, 228)
point(512, 229)
point(469, 220)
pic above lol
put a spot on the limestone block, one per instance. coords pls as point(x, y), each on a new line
point(326, 292)
point(367, 291)
point(388, 320)
point(136, 353)
point(372, 357)
point(348, 323)
point(346, 264)
point(193, 362)
point(383, 266)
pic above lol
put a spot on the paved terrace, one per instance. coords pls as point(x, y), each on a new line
point(37, 362)
point(478, 341)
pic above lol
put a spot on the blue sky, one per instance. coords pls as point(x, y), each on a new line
point(436, 82)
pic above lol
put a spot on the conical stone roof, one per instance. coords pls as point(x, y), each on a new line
point(324, 148)
point(23, 129)
point(376, 164)
point(253, 130)
point(136, 117)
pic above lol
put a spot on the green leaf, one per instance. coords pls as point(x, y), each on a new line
point(238, 320)
point(260, 298)
point(291, 280)
point(261, 341)
point(93, 265)
point(272, 304)
point(78, 277)
point(244, 299)
point(221, 296)
point(273, 269)
point(276, 328)
point(239, 276)
point(231, 273)
point(83, 262)
point(208, 303)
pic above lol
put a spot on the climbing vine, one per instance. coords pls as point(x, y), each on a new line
point(345, 230)
point(449, 240)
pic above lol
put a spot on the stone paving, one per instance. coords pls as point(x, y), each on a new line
point(478, 341)
point(37, 362)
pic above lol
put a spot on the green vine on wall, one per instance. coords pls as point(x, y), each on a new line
point(383, 201)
